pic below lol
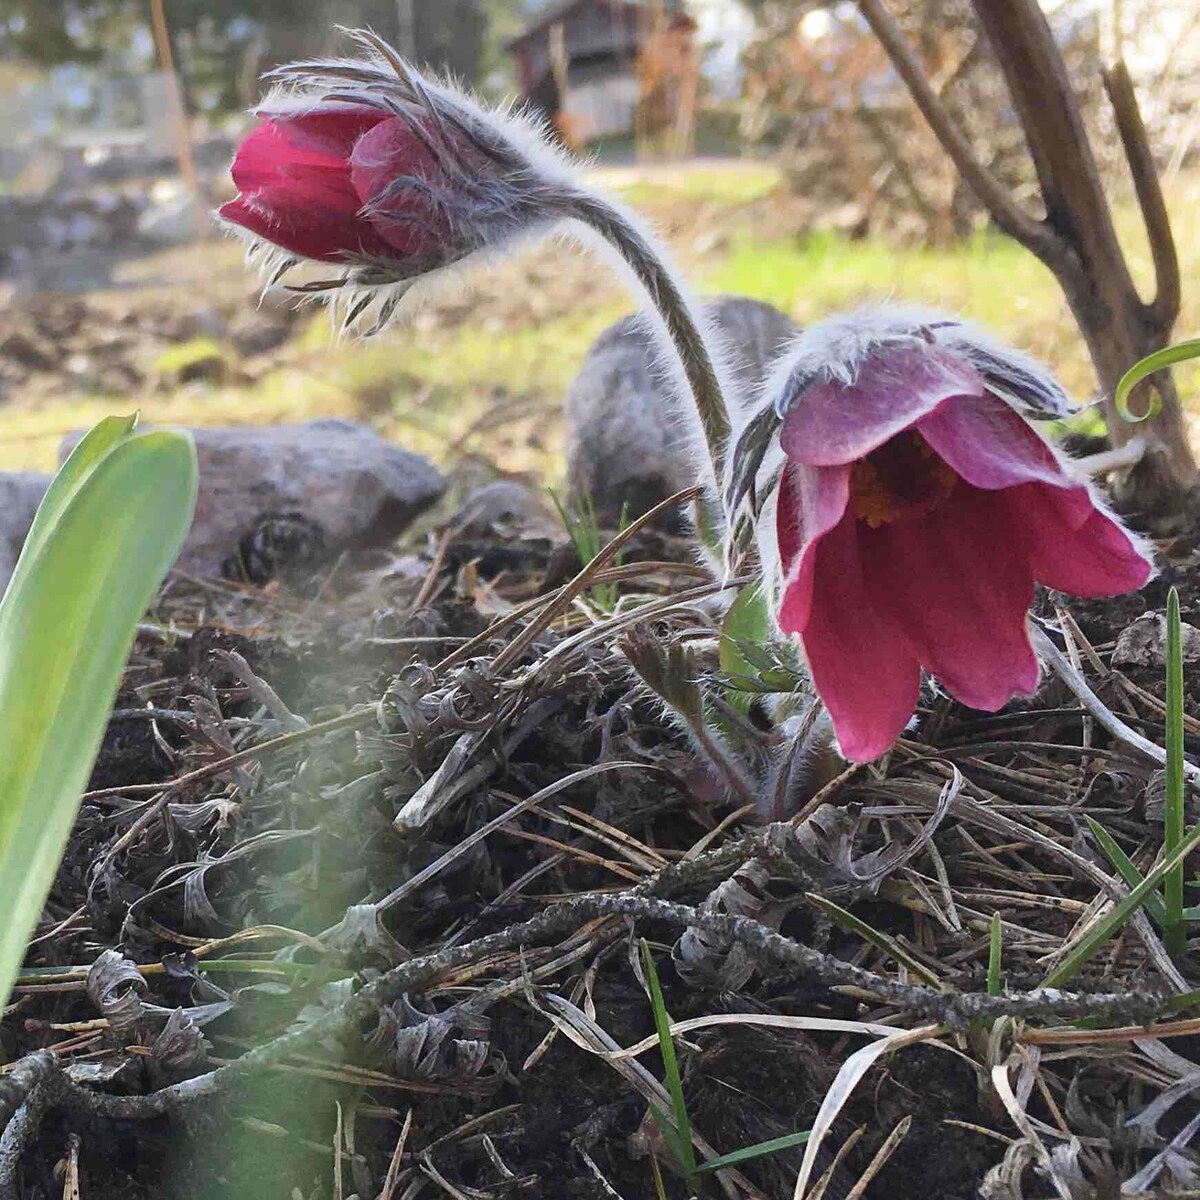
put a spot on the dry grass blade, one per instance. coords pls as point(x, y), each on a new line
point(1094, 705)
point(852, 1071)
point(763, 1020)
point(586, 578)
point(392, 1179)
point(1016, 1110)
point(588, 1035)
point(881, 1156)
point(410, 886)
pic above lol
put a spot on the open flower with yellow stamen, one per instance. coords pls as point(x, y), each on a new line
point(916, 508)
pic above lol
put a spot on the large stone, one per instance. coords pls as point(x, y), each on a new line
point(339, 479)
point(626, 441)
point(20, 494)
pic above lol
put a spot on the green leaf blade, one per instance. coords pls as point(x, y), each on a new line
point(109, 533)
point(1174, 929)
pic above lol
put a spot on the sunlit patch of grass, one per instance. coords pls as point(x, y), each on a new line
point(733, 184)
point(989, 279)
point(478, 388)
point(441, 392)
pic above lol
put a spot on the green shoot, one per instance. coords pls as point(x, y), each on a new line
point(758, 1150)
point(1128, 872)
point(109, 527)
point(679, 1133)
point(1174, 926)
point(852, 924)
point(1120, 912)
point(583, 529)
point(995, 982)
point(1148, 366)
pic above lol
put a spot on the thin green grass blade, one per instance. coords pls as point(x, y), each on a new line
point(758, 1150)
point(1166, 357)
point(674, 1081)
point(1174, 928)
point(1126, 869)
point(852, 924)
point(111, 530)
point(660, 1189)
point(995, 983)
point(1120, 913)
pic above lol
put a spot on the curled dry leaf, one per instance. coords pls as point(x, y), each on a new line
point(178, 1051)
point(116, 987)
point(450, 1047)
point(361, 931)
point(707, 959)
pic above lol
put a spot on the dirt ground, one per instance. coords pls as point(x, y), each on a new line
point(235, 892)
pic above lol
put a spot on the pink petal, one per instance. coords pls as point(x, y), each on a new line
point(811, 502)
point(330, 131)
point(958, 584)
point(861, 665)
point(389, 152)
point(1074, 545)
point(324, 233)
point(296, 190)
point(833, 423)
point(989, 445)
point(300, 143)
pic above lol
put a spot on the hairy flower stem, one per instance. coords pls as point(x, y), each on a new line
point(683, 326)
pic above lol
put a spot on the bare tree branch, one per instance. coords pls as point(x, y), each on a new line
point(1035, 235)
point(1164, 309)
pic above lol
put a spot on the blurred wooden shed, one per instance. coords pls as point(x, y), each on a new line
point(583, 63)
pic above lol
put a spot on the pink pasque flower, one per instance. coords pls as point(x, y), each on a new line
point(364, 163)
point(314, 182)
point(916, 510)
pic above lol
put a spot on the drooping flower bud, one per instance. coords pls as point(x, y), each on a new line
point(365, 164)
point(916, 507)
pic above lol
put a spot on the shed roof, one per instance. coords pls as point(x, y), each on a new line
point(565, 8)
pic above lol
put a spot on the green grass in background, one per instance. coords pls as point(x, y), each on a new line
point(462, 388)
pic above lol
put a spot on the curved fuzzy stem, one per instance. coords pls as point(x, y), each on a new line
point(682, 324)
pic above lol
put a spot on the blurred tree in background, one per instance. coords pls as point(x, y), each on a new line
point(821, 90)
point(222, 46)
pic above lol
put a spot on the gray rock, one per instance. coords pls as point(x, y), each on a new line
point(1144, 643)
point(508, 510)
point(20, 494)
point(340, 478)
point(625, 444)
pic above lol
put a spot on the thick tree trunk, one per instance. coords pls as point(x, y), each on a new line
point(1161, 486)
point(1118, 327)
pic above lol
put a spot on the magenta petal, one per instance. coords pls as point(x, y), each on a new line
point(296, 190)
point(405, 219)
point(989, 445)
point(833, 423)
point(861, 666)
point(1075, 546)
point(959, 584)
point(812, 500)
point(312, 144)
point(330, 131)
point(324, 232)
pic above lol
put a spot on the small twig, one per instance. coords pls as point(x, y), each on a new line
point(48, 1084)
point(1035, 235)
point(1119, 457)
point(1103, 714)
point(1164, 308)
